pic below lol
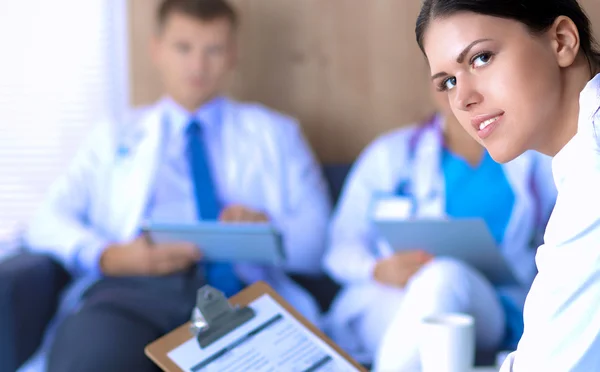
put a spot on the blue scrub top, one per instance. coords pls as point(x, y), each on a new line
point(483, 191)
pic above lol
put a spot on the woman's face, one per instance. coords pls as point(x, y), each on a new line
point(502, 82)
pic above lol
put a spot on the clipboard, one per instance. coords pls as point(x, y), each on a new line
point(228, 316)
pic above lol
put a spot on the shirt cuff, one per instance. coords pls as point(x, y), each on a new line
point(87, 259)
point(369, 269)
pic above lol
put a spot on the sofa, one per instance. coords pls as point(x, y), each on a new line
point(30, 285)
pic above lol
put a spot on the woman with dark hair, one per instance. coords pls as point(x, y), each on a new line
point(523, 75)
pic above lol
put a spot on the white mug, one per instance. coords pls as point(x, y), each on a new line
point(447, 343)
point(501, 357)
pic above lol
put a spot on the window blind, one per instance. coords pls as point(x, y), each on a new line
point(63, 67)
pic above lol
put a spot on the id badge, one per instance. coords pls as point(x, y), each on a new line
point(391, 208)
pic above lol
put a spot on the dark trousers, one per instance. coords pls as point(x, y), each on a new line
point(118, 318)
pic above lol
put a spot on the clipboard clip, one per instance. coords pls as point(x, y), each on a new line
point(214, 317)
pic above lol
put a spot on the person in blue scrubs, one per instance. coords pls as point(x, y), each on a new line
point(431, 170)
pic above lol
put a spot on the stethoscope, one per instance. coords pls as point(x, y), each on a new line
point(404, 187)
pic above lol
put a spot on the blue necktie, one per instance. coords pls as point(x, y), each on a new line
point(218, 275)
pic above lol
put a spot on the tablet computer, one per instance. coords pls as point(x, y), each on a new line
point(468, 240)
point(256, 243)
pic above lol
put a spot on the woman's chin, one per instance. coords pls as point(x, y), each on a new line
point(503, 154)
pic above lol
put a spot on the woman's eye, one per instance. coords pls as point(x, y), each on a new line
point(481, 60)
point(449, 83)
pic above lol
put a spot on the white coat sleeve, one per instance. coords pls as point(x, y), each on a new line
point(60, 227)
point(306, 209)
point(350, 257)
point(562, 326)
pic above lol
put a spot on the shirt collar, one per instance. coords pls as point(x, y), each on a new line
point(584, 146)
point(178, 118)
point(589, 102)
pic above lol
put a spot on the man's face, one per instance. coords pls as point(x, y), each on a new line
point(194, 57)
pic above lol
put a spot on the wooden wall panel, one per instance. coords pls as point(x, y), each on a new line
point(349, 70)
point(144, 85)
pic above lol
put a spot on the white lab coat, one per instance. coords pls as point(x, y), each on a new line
point(354, 248)
point(268, 166)
point(562, 323)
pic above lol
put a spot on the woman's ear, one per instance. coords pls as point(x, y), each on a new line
point(565, 40)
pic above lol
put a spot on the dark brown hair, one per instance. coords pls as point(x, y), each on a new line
point(537, 15)
point(203, 10)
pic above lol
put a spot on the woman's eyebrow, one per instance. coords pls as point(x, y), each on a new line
point(461, 57)
point(463, 54)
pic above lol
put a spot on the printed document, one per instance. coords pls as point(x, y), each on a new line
point(272, 341)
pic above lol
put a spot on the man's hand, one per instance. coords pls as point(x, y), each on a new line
point(239, 213)
point(397, 269)
point(140, 258)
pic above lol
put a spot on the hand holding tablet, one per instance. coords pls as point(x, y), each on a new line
point(468, 240)
point(139, 257)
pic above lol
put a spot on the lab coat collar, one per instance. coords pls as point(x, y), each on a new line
point(589, 102)
point(208, 115)
point(586, 140)
point(133, 177)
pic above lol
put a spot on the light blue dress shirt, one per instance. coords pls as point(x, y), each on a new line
point(173, 199)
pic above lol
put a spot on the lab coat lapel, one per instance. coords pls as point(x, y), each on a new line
point(521, 235)
point(134, 173)
point(244, 146)
point(427, 177)
point(518, 173)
